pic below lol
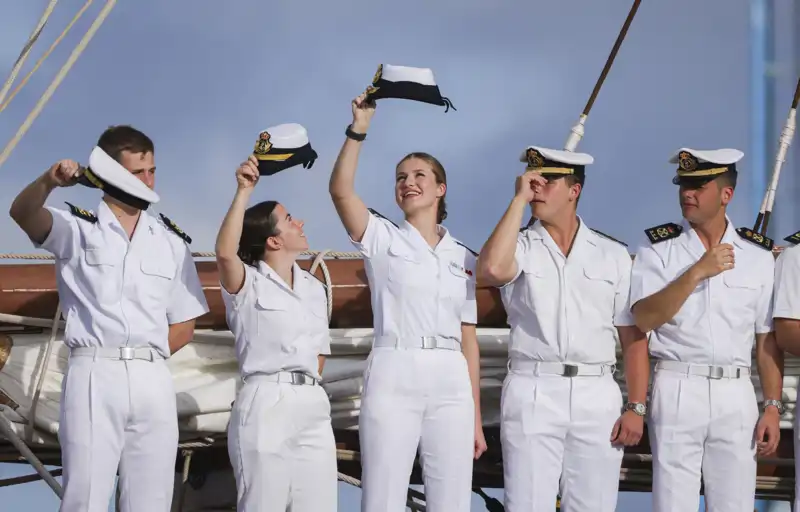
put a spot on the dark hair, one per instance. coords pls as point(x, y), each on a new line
point(728, 179)
point(438, 173)
point(117, 139)
point(258, 225)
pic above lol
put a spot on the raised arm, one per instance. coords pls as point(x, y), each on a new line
point(28, 209)
point(351, 209)
point(497, 264)
point(230, 266)
point(652, 311)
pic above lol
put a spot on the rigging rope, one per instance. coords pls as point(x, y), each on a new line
point(4, 104)
point(101, 17)
point(27, 49)
point(327, 252)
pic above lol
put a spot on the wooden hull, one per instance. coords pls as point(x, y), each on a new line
point(30, 290)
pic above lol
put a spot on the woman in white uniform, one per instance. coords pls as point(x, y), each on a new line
point(280, 439)
point(421, 385)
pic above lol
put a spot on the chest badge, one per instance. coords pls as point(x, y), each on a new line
point(461, 268)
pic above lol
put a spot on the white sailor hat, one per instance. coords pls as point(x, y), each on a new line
point(555, 162)
point(281, 147)
point(111, 177)
point(699, 165)
point(406, 83)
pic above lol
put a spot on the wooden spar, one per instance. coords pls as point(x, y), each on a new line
point(577, 131)
point(762, 220)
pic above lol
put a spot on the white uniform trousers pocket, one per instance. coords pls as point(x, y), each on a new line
point(416, 399)
point(555, 433)
point(118, 414)
point(282, 449)
point(703, 426)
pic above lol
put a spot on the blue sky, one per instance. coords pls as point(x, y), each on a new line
point(203, 81)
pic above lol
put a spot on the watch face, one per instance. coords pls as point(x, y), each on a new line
point(637, 408)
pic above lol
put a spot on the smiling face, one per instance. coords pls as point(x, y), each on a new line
point(290, 235)
point(555, 199)
point(701, 202)
point(420, 185)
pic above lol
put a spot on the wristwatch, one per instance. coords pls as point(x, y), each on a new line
point(637, 407)
point(777, 404)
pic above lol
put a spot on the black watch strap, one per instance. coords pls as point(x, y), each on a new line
point(353, 135)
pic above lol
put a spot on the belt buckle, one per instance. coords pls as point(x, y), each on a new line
point(298, 378)
point(428, 342)
point(570, 370)
point(716, 372)
point(126, 353)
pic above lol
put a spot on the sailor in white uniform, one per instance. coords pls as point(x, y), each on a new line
point(704, 290)
point(421, 386)
point(786, 315)
point(130, 294)
point(280, 439)
point(565, 288)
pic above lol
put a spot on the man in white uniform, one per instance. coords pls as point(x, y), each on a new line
point(130, 294)
point(565, 288)
point(704, 289)
point(786, 315)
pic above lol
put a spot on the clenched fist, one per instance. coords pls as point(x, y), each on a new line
point(527, 183)
point(63, 173)
point(247, 173)
point(362, 113)
point(716, 260)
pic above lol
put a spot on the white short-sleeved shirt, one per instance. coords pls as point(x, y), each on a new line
point(278, 327)
point(718, 322)
point(417, 290)
point(787, 284)
point(567, 309)
point(118, 292)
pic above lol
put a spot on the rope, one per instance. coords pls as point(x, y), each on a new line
point(27, 48)
point(319, 261)
point(43, 372)
point(4, 104)
point(57, 80)
point(8, 432)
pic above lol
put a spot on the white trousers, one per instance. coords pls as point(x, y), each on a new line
point(416, 398)
point(703, 426)
point(118, 414)
point(282, 449)
point(558, 429)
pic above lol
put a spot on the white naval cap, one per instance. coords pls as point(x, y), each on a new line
point(283, 146)
point(555, 161)
point(404, 82)
point(114, 179)
point(704, 164)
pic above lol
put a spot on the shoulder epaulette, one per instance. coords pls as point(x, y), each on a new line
point(794, 238)
point(609, 237)
point(663, 232)
point(757, 238)
point(375, 213)
point(81, 213)
point(467, 248)
point(175, 229)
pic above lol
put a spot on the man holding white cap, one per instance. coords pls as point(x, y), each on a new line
point(130, 294)
point(565, 288)
point(704, 290)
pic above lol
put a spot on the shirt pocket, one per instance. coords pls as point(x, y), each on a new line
point(156, 280)
point(599, 287)
point(540, 292)
point(741, 290)
point(407, 271)
point(103, 273)
point(274, 322)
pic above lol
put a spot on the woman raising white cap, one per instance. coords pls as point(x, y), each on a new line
point(421, 386)
point(280, 439)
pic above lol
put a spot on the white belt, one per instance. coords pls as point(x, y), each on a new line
point(296, 378)
point(424, 342)
point(704, 370)
point(122, 353)
point(562, 369)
